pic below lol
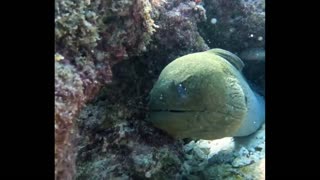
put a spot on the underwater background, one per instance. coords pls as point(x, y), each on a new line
point(109, 55)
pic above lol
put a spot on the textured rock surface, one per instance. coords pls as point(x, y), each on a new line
point(239, 24)
point(227, 158)
point(114, 142)
point(90, 36)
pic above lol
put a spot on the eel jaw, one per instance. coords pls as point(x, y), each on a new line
point(255, 116)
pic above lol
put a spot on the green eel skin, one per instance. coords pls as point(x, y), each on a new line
point(204, 95)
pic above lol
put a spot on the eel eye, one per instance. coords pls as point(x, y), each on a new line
point(182, 90)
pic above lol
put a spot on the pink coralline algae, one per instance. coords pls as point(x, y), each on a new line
point(90, 37)
point(178, 27)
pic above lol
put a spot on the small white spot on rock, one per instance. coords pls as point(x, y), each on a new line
point(148, 174)
point(213, 21)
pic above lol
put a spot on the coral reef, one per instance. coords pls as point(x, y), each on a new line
point(178, 29)
point(90, 37)
point(93, 36)
point(123, 152)
point(114, 142)
point(227, 158)
point(70, 88)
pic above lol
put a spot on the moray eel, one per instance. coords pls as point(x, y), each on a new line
point(204, 95)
